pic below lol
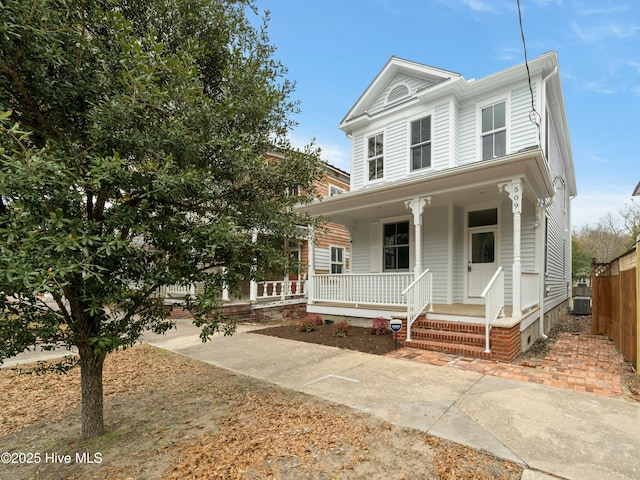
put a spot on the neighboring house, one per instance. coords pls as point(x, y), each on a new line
point(331, 246)
point(331, 254)
point(459, 206)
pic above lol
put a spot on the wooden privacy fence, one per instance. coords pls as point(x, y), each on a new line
point(614, 310)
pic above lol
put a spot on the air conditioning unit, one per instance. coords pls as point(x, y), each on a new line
point(582, 305)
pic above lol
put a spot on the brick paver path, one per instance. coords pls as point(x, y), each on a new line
point(586, 363)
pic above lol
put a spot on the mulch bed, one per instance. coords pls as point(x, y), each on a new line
point(358, 338)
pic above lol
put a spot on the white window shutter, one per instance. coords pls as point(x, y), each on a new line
point(375, 251)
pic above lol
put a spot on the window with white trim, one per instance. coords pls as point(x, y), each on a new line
point(396, 246)
point(337, 260)
point(375, 157)
point(421, 143)
point(333, 190)
point(494, 131)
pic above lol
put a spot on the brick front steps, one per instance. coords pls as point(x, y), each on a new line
point(465, 339)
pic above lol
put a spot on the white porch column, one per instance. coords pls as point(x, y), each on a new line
point(416, 206)
point(311, 270)
point(225, 287)
point(253, 285)
point(514, 189)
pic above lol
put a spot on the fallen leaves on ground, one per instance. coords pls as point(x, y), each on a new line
point(172, 417)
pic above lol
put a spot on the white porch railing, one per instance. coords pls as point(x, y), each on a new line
point(529, 289)
point(419, 295)
point(177, 291)
point(365, 288)
point(494, 302)
point(281, 289)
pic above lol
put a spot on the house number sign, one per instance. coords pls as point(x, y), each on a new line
point(514, 189)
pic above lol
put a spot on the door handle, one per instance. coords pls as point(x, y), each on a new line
point(469, 268)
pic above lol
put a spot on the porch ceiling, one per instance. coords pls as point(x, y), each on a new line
point(476, 182)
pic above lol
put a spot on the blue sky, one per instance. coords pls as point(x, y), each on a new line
point(333, 50)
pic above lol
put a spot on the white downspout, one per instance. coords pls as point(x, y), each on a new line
point(542, 208)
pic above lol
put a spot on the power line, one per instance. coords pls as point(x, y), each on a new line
point(533, 115)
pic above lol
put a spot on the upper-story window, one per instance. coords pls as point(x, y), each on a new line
point(494, 131)
point(333, 190)
point(375, 156)
point(421, 143)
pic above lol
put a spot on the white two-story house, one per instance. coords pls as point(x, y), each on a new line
point(459, 212)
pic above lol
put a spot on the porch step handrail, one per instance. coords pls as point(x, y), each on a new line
point(493, 294)
point(419, 295)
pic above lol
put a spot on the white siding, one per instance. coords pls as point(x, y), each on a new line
point(524, 132)
point(395, 151)
point(435, 250)
point(361, 248)
point(358, 168)
point(458, 258)
point(528, 236)
point(466, 135)
point(440, 140)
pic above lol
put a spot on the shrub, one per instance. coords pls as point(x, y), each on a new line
point(307, 325)
point(315, 318)
point(379, 326)
point(341, 329)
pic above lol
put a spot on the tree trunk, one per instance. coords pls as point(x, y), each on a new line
point(92, 399)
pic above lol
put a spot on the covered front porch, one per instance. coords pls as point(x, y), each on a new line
point(469, 241)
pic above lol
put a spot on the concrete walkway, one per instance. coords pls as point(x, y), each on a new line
point(553, 432)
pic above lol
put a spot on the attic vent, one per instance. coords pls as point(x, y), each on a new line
point(397, 92)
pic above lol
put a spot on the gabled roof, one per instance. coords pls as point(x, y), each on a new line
point(393, 67)
point(636, 192)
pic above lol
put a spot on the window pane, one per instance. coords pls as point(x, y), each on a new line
point(379, 144)
point(500, 144)
point(379, 168)
point(487, 119)
point(487, 147)
point(416, 158)
point(389, 234)
point(499, 116)
point(372, 147)
point(426, 129)
point(403, 230)
point(389, 258)
point(480, 218)
point(415, 132)
point(426, 155)
point(403, 257)
point(482, 247)
point(372, 169)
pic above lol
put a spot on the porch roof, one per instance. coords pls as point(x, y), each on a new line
point(465, 184)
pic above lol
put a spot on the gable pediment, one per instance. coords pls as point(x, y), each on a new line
point(398, 81)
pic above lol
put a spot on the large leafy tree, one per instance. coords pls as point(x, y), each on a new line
point(132, 145)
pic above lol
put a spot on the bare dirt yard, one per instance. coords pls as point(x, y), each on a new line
point(170, 417)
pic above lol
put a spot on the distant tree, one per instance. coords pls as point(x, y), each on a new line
point(132, 156)
point(580, 261)
point(613, 235)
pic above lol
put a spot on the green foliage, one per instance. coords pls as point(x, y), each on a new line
point(580, 261)
point(132, 146)
point(340, 329)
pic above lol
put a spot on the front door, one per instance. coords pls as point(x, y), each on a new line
point(482, 259)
